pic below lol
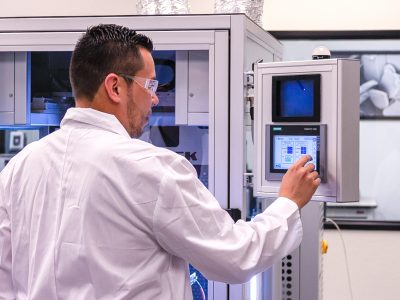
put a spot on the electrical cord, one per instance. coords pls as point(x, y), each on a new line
point(203, 295)
point(345, 255)
point(193, 280)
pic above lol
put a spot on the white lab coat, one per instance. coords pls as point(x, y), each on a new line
point(89, 213)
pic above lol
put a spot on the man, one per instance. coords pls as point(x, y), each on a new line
point(90, 213)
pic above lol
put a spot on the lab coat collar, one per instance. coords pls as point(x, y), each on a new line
point(95, 118)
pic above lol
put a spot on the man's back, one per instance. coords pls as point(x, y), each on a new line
point(89, 213)
point(82, 202)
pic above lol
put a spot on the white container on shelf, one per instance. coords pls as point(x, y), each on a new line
point(162, 7)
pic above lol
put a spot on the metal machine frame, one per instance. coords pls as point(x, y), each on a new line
point(234, 43)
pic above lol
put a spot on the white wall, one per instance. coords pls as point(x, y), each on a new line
point(331, 15)
point(25, 8)
point(278, 14)
point(380, 166)
point(373, 261)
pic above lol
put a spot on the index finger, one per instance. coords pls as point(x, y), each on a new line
point(302, 161)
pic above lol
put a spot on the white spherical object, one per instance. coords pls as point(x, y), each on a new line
point(321, 52)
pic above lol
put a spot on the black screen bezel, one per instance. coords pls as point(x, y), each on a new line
point(276, 98)
point(307, 130)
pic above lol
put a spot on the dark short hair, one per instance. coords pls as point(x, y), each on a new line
point(105, 49)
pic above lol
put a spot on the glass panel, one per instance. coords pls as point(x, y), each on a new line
point(165, 69)
point(50, 88)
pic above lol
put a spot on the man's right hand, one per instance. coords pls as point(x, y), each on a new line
point(300, 182)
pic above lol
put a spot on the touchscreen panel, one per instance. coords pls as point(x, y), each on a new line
point(289, 148)
point(285, 144)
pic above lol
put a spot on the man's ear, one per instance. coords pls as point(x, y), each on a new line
point(112, 84)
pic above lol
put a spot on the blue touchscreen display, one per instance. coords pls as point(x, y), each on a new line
point(289, 148)
point(297, 98)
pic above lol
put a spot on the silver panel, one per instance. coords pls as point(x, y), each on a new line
point(323, 162)
point(6, 118)
point(256, 50)
point(211, 119)
point(171, 22)
point(263, 37)
point(35, 39)
point(348, 131)
point(7, 82)
point(198, 82)
point(220, 291)
point(22, 101)
point(310, 260)
point(198, 119)
point(221, 116)
point(236, 113)
point(181, 89)
point(57, 41)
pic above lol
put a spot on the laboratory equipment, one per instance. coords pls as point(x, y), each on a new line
point(200, 62)
point(308, 107)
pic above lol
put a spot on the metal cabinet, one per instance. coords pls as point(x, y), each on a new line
point(212, 52)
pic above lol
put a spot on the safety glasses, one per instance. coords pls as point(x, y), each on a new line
point(149, 84)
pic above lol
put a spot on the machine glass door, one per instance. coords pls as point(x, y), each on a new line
point(50, 92)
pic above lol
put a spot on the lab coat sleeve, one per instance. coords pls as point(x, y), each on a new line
point(6, 286)
point(189, 223)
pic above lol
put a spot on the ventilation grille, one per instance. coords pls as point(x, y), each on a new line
point(287, 278)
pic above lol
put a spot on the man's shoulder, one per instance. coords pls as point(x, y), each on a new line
point(142, 150)
point(128, 150)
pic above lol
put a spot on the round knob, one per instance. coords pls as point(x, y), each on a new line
point(324, 246)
